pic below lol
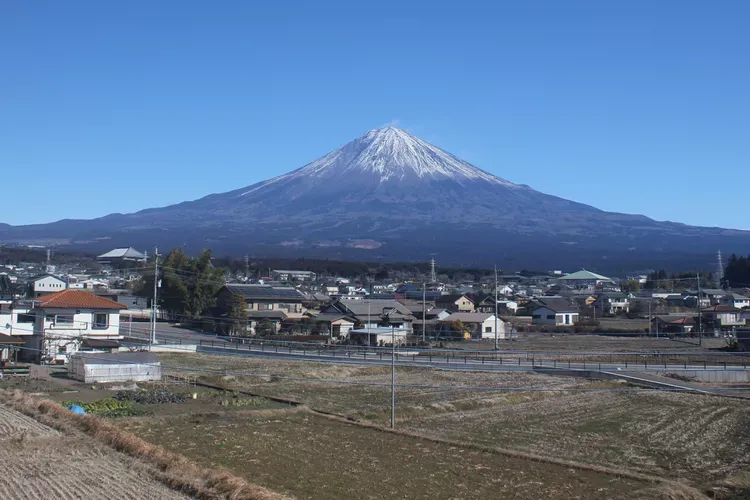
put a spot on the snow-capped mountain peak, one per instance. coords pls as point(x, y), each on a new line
point(391, 154)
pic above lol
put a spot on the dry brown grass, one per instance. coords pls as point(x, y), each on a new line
point(67, 467)
point(671, 491)
point(175, 470)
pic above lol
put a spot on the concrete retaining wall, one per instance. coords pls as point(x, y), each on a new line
point(711, 375)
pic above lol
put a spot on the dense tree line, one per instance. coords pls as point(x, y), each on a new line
point(737, 272)
point(16, 256)
point(188, 284)
point(660, 280)
point(364, 271)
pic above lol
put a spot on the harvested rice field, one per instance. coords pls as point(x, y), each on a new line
point(39, 462)
point(687, 437)
point(310, 456)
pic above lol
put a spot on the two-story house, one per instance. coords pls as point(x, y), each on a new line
point(455, 303)
point(65, 321)
point(722, 317)
point(265, 303)
point(735, 300)
point(44, 285)
point(372, 313)
point(612, 303)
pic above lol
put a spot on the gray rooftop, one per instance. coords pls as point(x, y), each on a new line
point(122, 253)
point(103, 358)
point(468, 317)
point(265, 292)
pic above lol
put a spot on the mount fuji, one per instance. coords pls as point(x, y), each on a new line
point(389, 195)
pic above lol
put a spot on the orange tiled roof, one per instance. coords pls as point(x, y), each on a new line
point(78, 299)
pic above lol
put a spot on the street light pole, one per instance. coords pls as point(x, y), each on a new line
point(152, 336)
point(700, 312)
point(393, 377)
point(424, 312)
point(496, 311)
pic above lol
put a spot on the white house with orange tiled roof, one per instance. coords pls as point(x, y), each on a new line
point(73, 320)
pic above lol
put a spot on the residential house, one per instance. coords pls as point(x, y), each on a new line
point(430, 322)
point(507, 306)
point(714, 295)
point(265, 303)
point(335, 324)
point(479, 325)
point(371, 313)
point(44, 285)
point(546, 311)
point(455, 303)
point(291, 275)
point(64, 320)
point(721, 317)
point(485, 304)
point(414, 292)
point(612, 303)
point(672, 324)
point(735, 300)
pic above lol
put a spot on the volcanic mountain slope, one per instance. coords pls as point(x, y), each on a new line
point(391, 195)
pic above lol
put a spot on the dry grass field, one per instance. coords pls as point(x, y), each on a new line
point(695, 438)
point(310, 456)
point(37, 461)
point(308, 383)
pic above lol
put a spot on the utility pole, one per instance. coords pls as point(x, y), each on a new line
point(649, 316)
point(700, 312)
point(393, 377)
point(152, 337)
point(496, 311)
point(424, 312)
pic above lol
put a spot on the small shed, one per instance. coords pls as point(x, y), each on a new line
point(377, 336)
point(90, 367)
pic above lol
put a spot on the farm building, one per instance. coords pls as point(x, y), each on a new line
point(92, 367)
point(378, 336)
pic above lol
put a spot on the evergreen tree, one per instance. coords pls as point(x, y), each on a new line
point(238, 316)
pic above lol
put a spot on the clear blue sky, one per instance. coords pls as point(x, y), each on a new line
point(637, 106)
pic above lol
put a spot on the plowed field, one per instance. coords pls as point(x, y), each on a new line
point(39, 462)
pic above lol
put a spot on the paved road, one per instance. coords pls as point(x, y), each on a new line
point(168, 334)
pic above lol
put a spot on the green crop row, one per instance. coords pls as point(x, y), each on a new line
point(108, 407)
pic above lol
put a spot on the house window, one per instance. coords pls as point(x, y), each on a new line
point(265, 307)
point(101, 320)
point(550, 316)
point(62, 319)
point(536, 316)
point(487, 329)
point(25, 318)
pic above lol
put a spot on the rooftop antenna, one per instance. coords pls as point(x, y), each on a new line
point(433, 274)
point(719, 270)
